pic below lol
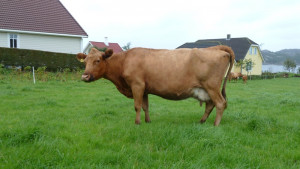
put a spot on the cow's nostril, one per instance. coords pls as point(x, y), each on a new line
point(85, 77)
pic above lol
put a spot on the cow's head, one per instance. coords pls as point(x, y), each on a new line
point(95, 64)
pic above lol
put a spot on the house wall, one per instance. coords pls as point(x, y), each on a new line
point(52, 43)
point(3, 39)
point(60, 44)
point(257, 59)
point(236, 69)
point(87, 48)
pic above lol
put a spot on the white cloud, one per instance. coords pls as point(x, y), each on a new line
point(170, 23)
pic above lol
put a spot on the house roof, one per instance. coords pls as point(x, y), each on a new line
point(114, 46)
point(240, 46)
point(38, 16)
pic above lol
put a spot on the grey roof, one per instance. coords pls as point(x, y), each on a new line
point(240, 46)
point(38, 16)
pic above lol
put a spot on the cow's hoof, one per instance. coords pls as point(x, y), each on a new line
point(137, 122)
point(216, 124)
point(148, 121)
point(202, 121)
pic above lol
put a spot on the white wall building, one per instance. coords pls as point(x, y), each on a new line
point(39, 25)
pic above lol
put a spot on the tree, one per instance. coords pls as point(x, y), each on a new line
point(289, 65)
point(127, 46)
point(246, 64)
point(261, 45)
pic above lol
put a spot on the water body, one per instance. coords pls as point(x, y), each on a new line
point(276, 68)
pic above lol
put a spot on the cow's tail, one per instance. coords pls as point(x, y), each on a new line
point(231, 62)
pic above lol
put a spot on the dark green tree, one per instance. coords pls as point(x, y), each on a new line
point(127, 46)
point(246, 64)
point(289, 65)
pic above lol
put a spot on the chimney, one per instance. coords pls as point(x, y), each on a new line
point(228, 37)
point(106, 41)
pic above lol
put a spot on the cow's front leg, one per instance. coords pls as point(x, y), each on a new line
point(138, 93)
point(145, 108)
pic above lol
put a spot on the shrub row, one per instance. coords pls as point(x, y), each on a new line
point(40, 74)
point(268, 75)
point(53, 61)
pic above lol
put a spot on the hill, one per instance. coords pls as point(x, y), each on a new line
point(277, 58)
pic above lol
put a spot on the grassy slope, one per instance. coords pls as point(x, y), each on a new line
point(77, 125)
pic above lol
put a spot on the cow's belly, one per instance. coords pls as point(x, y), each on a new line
point(197, 93)
point(200, 94)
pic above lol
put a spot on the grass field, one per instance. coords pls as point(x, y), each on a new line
point(73, 124)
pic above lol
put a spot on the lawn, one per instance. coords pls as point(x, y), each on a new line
point(72, 124)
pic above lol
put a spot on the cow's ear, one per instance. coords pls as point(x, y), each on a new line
point(81, 57)
point(108, 53)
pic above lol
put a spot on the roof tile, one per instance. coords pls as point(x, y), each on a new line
point(240, 46)
point(114, 46)
point(48, 16)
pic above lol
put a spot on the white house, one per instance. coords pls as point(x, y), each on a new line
point(39, 25)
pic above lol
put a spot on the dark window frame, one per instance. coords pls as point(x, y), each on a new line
point(13, 40)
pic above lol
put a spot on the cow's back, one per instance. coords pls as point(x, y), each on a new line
point(173, 72)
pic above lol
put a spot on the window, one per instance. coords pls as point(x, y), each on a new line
point(249, 66)
point(13, 40)
point(250, 51)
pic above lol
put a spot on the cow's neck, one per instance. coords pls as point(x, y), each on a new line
point(114, 69)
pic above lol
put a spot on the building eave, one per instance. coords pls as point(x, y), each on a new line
point(87, 46)
point(42, 33)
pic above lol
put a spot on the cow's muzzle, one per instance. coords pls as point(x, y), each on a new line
point(87, 77)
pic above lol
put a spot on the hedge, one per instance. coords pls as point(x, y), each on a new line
point(53, 61)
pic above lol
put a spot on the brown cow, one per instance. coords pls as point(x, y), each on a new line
point(234, 76)
point(245, 78)
point(171, 74)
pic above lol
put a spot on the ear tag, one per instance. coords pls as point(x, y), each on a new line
point(81, 60)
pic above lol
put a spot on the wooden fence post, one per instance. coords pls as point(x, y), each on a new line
point(33, 75)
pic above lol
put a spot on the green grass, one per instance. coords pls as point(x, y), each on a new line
point(73, 124)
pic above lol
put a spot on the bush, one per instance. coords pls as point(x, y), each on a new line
point(24, 57)
point(27, 69)
point(66, 70)
point(2, 69)
point(41, 69)
point(100, 49)
point(41, 73)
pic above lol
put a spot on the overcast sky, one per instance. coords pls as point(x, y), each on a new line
point(170, 23)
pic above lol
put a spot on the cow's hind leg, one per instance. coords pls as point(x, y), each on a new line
point(138, 93)
point(209, 106)
point(145, 108)
point(219, 102)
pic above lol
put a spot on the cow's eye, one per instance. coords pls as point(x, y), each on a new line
point(97, 61)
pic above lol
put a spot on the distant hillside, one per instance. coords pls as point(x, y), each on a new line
point(277, 58)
